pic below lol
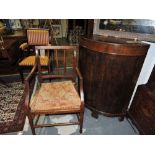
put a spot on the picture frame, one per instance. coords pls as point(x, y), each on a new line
point(57, 31)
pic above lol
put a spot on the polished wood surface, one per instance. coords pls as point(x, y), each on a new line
point(110, 68)
point(114, 45)
point(142, 110)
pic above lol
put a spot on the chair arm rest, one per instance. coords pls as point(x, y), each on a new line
point(81, 84)
point(24, 46)
point(24, 51)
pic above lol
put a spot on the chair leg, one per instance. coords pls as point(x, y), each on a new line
point(81, 121)
point(49, 69)
point(31, 124)
point(21, 74)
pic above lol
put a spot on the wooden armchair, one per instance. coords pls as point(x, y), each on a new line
point(35, 37)
point(59, 96)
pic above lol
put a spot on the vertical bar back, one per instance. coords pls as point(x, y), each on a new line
point(61, 55)
point(64, 61)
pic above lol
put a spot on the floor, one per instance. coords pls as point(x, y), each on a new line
point(101, 126)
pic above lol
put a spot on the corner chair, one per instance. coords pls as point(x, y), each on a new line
point(62, 95)
point(27, 60)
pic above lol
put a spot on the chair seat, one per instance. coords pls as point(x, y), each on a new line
point(30, 60)
point(56, 97)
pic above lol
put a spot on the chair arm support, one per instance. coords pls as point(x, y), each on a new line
point(81, 84)
point(28, 78)
point(23, 53)
point(27, 87)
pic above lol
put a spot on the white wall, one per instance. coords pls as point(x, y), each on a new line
point(146, 69)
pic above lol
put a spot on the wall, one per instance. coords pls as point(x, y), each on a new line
point(146, 69)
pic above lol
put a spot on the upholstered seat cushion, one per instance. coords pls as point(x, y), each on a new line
point(30, 60)
point(56, 97)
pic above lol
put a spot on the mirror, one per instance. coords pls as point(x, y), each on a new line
point(128, 25)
